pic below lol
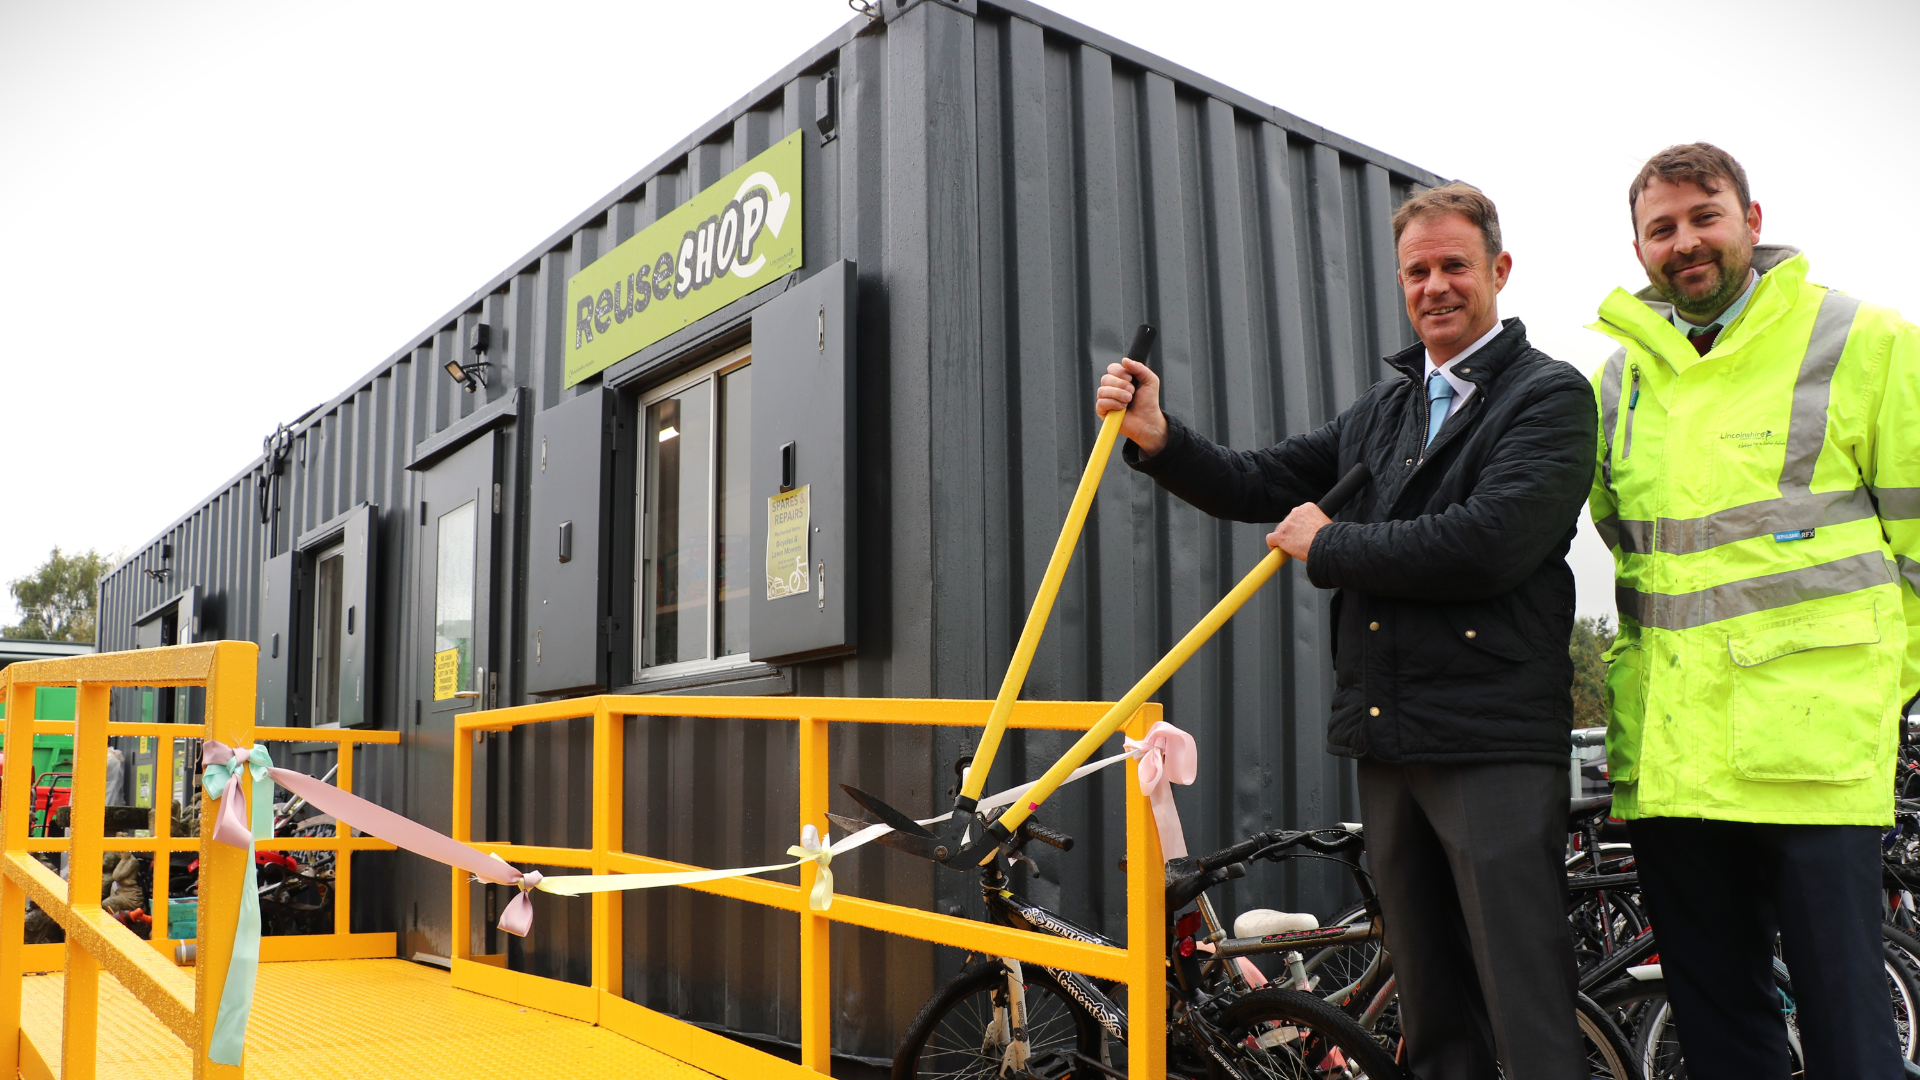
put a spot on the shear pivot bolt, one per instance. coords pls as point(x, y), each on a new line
point(940, 853)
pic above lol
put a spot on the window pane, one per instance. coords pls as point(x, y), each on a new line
point(329, 577)
point(736, 525)
point(679, 446)
point(453, 598)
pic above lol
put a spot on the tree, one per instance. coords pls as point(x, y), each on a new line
point(57, 600)
point(1592, 637)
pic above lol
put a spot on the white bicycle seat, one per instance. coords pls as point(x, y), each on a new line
point(1260, 922)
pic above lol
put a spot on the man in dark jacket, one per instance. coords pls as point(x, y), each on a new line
point(1453, 684)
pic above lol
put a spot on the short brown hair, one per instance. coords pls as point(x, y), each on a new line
point(1455, 198)
point(1692, 163)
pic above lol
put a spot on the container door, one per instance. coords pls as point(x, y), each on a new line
point(801, 494)
point(275, 637)
point(568, 514)
point(454, 670)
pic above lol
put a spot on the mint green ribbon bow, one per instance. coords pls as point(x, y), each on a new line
point(231, 827)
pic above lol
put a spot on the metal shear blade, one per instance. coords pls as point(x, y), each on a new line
point(908, 835)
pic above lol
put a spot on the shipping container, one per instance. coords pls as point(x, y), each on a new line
point(877, 292)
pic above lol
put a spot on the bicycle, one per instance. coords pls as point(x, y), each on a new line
point(1362, 980)
point(1002, 1018)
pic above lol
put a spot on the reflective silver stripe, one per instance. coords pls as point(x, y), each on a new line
point(1684, 536)
point(1807, 430)
point(1911, 571)
point(1609, 529)
point(1898, 504)
point(1610, 406)
point(1684, 611)
point(1636, 537)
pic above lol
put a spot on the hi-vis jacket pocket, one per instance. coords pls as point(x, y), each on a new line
point(1809, 698)
point(1626, 711)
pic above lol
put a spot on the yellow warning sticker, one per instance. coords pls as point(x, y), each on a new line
point(446, 673)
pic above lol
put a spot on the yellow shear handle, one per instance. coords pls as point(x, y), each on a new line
point(1042, 605)
point(1142, 690)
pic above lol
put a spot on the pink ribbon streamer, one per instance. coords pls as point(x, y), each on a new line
point(1167, 756)
point(402, 832)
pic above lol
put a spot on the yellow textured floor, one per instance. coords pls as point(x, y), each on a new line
point(360, 1018)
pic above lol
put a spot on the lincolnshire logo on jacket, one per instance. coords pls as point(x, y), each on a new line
point(739, 234)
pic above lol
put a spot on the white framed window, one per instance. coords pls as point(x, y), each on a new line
point(693, 566)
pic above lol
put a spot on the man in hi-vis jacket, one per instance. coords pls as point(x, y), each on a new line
point(1759, 484)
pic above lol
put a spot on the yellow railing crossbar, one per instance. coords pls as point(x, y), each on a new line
point(1141, 965)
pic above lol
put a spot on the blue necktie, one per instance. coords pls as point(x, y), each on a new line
point(1439, 400)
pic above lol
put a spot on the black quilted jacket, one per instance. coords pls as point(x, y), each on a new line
point(1455, 601)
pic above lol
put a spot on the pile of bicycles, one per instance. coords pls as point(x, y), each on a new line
point(1325, 1005)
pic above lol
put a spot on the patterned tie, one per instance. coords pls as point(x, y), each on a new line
point(1703, 339)
point(1439, 400)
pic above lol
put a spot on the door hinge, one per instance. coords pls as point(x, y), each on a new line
point(496, 498)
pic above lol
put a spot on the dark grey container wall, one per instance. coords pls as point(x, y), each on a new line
point(1017, 192)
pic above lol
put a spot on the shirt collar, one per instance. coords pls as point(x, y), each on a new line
point(1725, 318)
point(1460, 385)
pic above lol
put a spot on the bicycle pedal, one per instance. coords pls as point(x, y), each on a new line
point(1049, 1065)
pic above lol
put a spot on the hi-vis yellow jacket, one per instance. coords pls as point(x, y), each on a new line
point(1763, 507)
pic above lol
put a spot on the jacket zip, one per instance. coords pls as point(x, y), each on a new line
point(1633, 399)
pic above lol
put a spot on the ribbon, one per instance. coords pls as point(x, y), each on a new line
point(225, 767)
point(1167, 756)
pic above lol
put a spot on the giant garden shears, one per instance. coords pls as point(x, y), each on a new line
point(968, 838)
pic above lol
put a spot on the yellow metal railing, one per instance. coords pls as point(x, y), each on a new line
point(95, 939)
point(1141, 965)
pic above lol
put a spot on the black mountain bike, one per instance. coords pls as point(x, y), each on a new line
point(1004, 1019)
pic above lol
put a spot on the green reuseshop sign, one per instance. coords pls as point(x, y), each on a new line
point(725, 242)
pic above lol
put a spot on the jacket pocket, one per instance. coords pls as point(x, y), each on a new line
point(1626, 710)
point(1810, 697)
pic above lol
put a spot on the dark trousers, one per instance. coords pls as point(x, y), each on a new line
point(1470, 863)
point(1718, 893)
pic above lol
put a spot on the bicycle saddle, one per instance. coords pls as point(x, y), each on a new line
point(1259, 922)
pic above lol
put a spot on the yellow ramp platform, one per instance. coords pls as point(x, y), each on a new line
point(353, 1018)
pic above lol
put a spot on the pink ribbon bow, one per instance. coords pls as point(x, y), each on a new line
point(1167, 756)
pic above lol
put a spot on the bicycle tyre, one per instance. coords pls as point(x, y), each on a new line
point(948, 1036)
point(1656, 1040)
point(1609, 1053)
point(1317, 1028)
point(1903, 985)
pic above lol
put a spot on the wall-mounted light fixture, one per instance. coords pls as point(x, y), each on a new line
point(473, 372)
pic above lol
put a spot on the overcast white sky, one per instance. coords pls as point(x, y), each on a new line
point(213, 216)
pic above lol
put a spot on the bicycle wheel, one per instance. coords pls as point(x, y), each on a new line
point(1288, 1035)
point(1609, 1054)
point(1656, 1040)
point(962, 1031)
point(1903, 986)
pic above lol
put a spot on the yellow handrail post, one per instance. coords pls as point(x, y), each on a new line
point(230, 710)
point(461, 829)
point(163, 839)
point(816, 931)
point(1146, 922)
point(87, 817)
point(609, 795)
point(343, 861)
point(14, 796)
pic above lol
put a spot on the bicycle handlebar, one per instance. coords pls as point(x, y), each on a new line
point(1052, 837)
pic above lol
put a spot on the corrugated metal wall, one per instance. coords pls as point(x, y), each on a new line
point(1018, 193)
